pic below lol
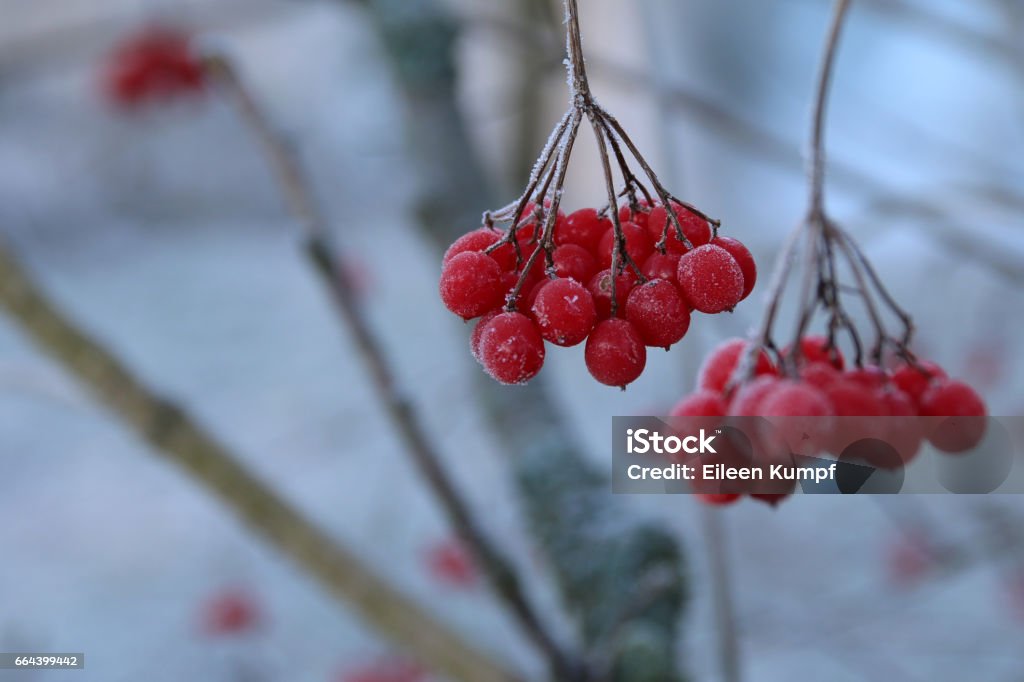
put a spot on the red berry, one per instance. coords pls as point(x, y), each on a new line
point(477, 240)
point(231, 612)
point(450, 564)
point(628, 215)
point(710, 279)
point(902, 429)
point(478, 332)
point(771, 499)
point(615, 353)
point(746, 402)
point(703, 403)
point(719, 366)
point(582, 228)
point(574, 262)
point(851, 400)
point(658, 312)
point(661, 266)
point(471, 284)
point(600, 287)
point(638, 245)
point(820, 374)
point(695, 229)
point(816, 349)
point(511, 349)
point(869, 376)
point(744, 258)
point(914, 381)
point(911, 557)
point(564, 311)
point(527, 304)
point(795, 399)
point(717, 499)
point(155, 64)
point(804, 416)
point(948, 398)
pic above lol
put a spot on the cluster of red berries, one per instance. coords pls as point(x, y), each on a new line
point(827, 407)
point(570, 294)
point(157, 63)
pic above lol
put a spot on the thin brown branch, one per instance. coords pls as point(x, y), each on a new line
point(174, 434)
point(324, 259)
point(817, 151)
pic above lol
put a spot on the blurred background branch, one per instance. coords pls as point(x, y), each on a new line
point(174, 434)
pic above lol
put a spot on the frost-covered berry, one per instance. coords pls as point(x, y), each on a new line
point(817, 349)
point(718, 367)
point(582, 228)
point(574, 262)
point(477, 240)
point(858, 408)
point(661, 266)
point(638, 245)
point(949, 398)
point(710, 279)
point(870, 376)
point(746, 401)
point(639, 216)
point(914, 381)
point(658, 312)
point(471, 284)
point(615, 353)
point(796, 399)
point(801, 415)
point(600, 287)
point(564, 311)
point(744, 258)
point(695, 228)
point(511, 349)
point(478, 332)
point(703, 403)
point(902, 429)
point(820, 374)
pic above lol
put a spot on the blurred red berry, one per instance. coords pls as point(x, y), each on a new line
point(230, 612)
point(450, 564)
point(719, 366)
point(154, 64)
point(909, 558)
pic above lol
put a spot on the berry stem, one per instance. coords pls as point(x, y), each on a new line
point(575, 63)
point(324, 259)
point(818, 234)
point(817, 158)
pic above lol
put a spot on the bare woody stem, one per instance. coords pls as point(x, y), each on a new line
point(576, 64)
point(817, 151)
point(175, 435)
point(814, 226)
point(323, 257)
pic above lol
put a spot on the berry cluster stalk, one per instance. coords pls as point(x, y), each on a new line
point(323, 257)
point(547, 180)
point(829, 253)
